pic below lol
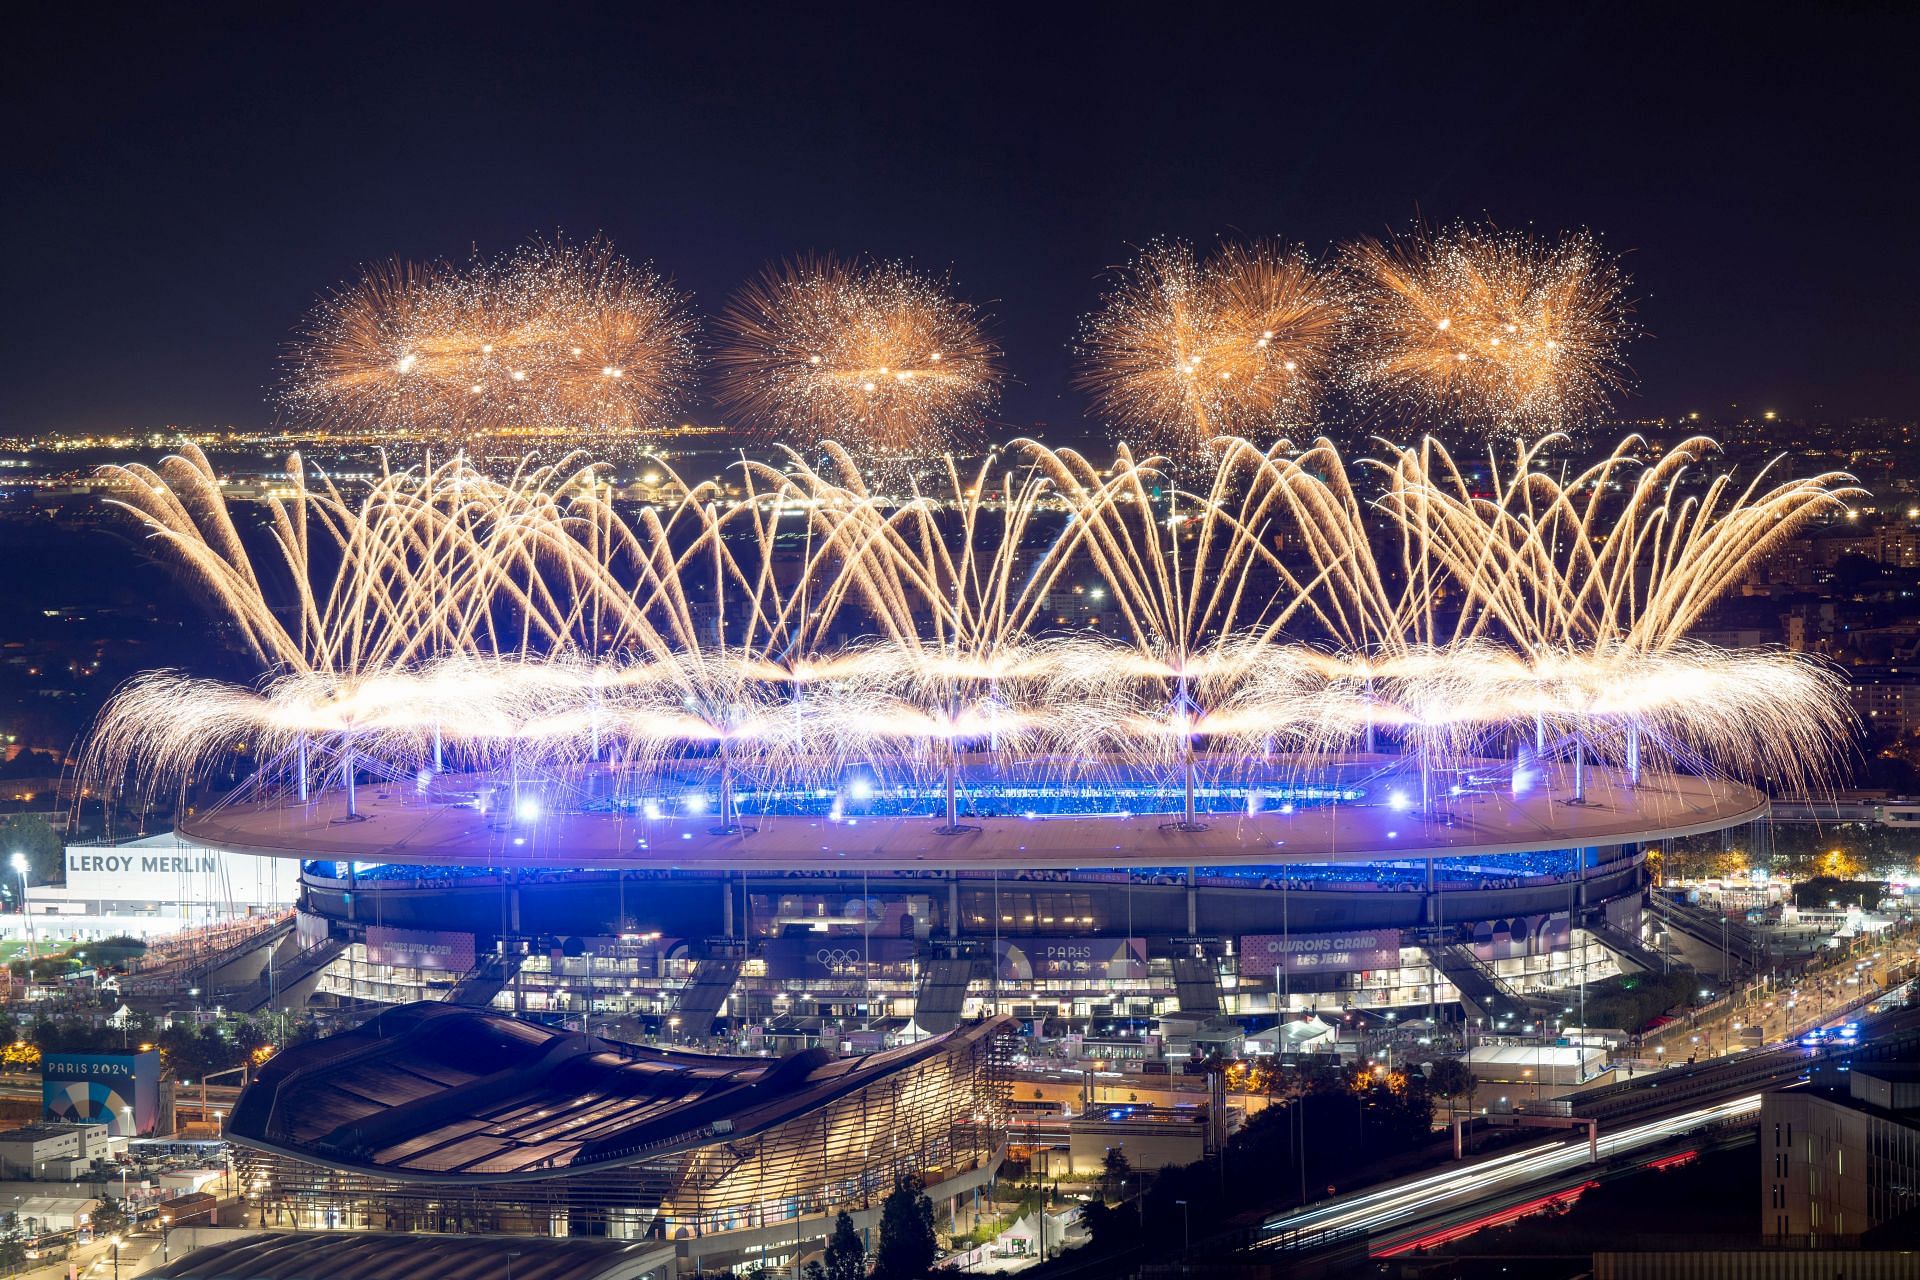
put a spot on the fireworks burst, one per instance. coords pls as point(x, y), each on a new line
point(1184, 351)
point(875, 355)
point(445, 617)
point(1501, 329)
point(555, 340)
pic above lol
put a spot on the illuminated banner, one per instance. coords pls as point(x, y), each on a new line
point(807, 958)
point(1520, 936)
point(445, 950)
point(1101, 959)
point(102, 1088)
point(1264, 954)
point(309, 929)
point(162, 869)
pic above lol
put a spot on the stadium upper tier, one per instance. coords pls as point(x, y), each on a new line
point(494, 822)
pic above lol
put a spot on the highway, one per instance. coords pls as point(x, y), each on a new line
point(1639, 1115)
point(1715, 1078)
point(1409, 1205)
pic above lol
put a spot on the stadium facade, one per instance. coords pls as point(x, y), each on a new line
point(839, 920)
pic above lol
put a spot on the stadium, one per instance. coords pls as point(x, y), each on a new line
point(1149, 760)
point(806, 927)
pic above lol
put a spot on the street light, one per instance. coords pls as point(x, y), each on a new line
point(128, 1113)
point(116, 1258)
point(1186, 1228)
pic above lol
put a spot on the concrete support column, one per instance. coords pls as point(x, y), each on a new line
point(1193, 903)
point(953, 905)
point(726, 905)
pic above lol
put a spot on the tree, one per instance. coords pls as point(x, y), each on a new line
point(13, 1255)
point(846, 1257)
point(116, 952)
point(249, 1036)
point(1115, 1169)
point(110, 1218)
point(1840, 865)
point(1449, 1078)
point(33, 835)
point(907, 1248)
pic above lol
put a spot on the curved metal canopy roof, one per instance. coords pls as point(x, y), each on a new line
point(336, 1255)
point(432, 1092)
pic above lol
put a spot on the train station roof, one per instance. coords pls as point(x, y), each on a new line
point(336, 1255)
point(437, 1093)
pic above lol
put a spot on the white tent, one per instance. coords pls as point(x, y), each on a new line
point(1308, 1035)
point(55, 1213)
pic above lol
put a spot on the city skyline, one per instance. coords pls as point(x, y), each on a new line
point(1028, 183)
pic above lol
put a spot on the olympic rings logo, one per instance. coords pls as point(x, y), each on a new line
point(837, 957)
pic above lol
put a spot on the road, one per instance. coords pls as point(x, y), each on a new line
point(1408, 1207)
point(1838, 980)
point(138, 1255)
point(1649, 1092)
point(1639, 1115)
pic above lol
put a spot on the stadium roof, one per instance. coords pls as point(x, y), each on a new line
point(437, 1093)
point(335, 1255)
point(393, 825)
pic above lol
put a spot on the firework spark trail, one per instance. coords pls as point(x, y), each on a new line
point(557, 339)
point(1183, 351)
point(1565, 565)
point(527, 624)
point(1497, 328)
point(873, 354)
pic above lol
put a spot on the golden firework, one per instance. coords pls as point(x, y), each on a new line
point(1184, 351)
point(557, 339)
point(1500, 329)
point(1551, 611)
point(873, 354)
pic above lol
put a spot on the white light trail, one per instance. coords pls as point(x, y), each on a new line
point(1464, 1184)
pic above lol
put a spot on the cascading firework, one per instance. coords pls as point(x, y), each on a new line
point(802, 622)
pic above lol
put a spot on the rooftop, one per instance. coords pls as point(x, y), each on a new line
point(439, 1093)
point(303, 1255)
point(42, 1132)
point(395, 825)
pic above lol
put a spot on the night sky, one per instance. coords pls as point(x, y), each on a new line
point(178, 189)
